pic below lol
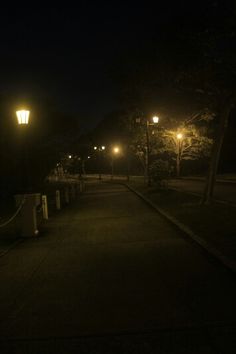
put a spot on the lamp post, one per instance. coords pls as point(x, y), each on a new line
point(179, 137)
point(23, 121)
point(115, 152)
point(99, 149)
point(28, 202)
point(155, 120)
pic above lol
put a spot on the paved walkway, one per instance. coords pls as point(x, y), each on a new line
point(109, 275)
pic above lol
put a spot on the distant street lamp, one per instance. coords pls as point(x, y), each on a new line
point(23, 121)
point(115, 152)
point(155, 120)
point(179, 137)
point(99, 149)
point(148, 123)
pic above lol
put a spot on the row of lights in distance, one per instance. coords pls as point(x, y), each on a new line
point(116, 149)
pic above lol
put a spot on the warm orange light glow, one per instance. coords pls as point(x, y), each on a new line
point(23, 116)
point(95, 147)
point(116, 149)
point(155, 119)
point(70, 156)
point(179, 136)
point(103, 147)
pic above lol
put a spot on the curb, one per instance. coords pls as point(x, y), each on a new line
point(186, 230)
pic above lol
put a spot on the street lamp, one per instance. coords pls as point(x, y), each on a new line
point(99, 149)
point(155, 120)
point(27, 201)
point(115, 152)
point(179, 137)
point(23, 120)
point(23, 116)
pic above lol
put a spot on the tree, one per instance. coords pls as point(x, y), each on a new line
point(193, 65)
point(216, 150)
point(160, 172)
point(140, 137)
point(213, 79)
point(185, 142)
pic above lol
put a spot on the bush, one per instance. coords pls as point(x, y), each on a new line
point(160, 172)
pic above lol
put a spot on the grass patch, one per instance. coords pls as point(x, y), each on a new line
point(216, 223)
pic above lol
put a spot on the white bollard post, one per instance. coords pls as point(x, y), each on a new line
point(58, 200)
point(28, 215)
point(45, 207)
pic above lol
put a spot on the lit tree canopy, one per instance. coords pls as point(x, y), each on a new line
point(185, 141)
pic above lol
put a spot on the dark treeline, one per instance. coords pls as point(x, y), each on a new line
point(186, 67)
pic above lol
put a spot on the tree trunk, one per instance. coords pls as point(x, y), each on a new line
point(148, 156)
point(177, 166)
point(216, 150)
point(128, 167)
point(178, 158)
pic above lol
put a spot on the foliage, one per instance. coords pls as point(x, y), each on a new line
point(160, 172)
point(164, 144)
point(191, 146)
point(134, 123)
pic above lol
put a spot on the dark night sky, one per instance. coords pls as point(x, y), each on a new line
point(65, 54)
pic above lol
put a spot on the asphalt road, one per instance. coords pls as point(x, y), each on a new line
point(109, 275)
point(225, 191)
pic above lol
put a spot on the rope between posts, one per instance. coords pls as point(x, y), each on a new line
point(16, 213)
